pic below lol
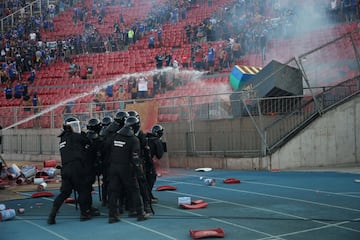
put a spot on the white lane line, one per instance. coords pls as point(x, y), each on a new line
point(102, 213)
point(238, 204)
point(42, 228)
point(349, 194)
point(270, 195)
point(311, 229)
point(326, 225)
point(268, 210)
point(215, 219)
point(149, 229)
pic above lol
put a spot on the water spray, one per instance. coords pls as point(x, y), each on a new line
point(119, 78)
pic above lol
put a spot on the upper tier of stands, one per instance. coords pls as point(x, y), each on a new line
point(65, 26)
point(54, 85)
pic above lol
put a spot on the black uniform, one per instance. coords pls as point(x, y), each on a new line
point(145, 161)
point(156, 150)
point(95, 157)
point(74, 173)
point(94, 153)
point(107, 135)
point(124, 163)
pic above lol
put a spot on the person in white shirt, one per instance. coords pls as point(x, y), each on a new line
point(32, 37)
point(142, 87)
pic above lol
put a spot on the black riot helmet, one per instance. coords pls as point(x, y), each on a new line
point(106, 121)
point(134, 113)
point(157, 130)
point(72, 124)
point(94, 124)
point(133, 123)
point(120, 117)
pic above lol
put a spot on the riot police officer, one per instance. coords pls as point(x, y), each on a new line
point(74, 173)
point(125, 164)
point(94, 127)
point(106, 121)
point(115, 125)
point(145, 157)
point(107, 134)
point(157, 150)
point(94, 153)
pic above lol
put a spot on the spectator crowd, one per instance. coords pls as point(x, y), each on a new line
point(243, 27)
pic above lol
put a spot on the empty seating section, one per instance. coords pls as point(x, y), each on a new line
point(10, 103)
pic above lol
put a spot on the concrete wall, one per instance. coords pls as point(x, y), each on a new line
point(333, 139)
point(219, 163)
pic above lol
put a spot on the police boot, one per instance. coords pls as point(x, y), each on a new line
point(94, 212)
point(147, 208)
point(104, 195)
point(142, 216)
point(84, 216)
point(104, 201)
point(132, 214)
point(154, 199)
point(113, 217)
point(121, 209)
point(52, 215)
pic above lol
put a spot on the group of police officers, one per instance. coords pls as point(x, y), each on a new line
point(119, 152)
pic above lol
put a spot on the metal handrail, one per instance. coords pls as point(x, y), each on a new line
point(313, 114)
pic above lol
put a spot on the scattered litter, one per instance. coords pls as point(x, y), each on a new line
point(50, 163)
point(28, 171)
point(203, 169)
point(166, 188)
point(42, 186)
point(20, 180)
point(2, 207)
point(196, 204)
point(205, 233)
point(48, 172)
point(357, 180)
point(42, 194)
point(13, 171)
point(208, 181)
point(21, 210)
point(29, 174)
point(69, 200)
point(7, 214)
point(184, 200)
point(38, 180)
point(231, 181)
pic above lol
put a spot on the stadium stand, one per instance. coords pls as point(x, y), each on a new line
point(54, 85)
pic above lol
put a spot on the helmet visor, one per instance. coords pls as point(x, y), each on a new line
point(136, 128)
point(75, 126)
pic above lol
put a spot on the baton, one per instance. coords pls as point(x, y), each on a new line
point(99, 187)
point(76, 202)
